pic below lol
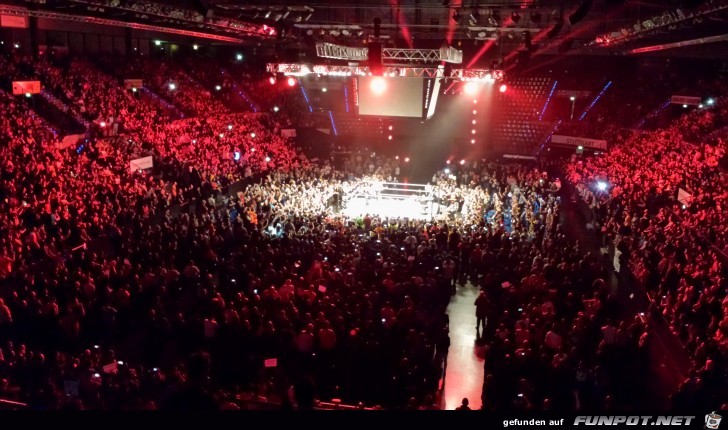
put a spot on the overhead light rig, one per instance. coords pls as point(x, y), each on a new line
point(465, 75)
point(669, 20)
point(14, 11)
point(447, 54)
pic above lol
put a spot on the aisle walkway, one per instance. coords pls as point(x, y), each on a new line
point(464, 377)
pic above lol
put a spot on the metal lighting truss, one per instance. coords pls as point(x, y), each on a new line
point(7, 10)
point(478, 75)
point(339, 52)
point(666, 20)
point(446, 54)
point(225, 24)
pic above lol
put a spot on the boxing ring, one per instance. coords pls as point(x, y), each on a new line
point(391, 200)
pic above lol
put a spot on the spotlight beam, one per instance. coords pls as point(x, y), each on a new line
point(402, 23)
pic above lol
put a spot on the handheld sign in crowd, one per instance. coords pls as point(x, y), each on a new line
point(141, 164)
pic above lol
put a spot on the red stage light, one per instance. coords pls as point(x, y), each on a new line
point(272, 80)
point(291, 82)
point(503, 88)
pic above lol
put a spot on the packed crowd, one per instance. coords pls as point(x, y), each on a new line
point(661, 201)
point(112, 281)
point(267, 275)
point(88, 93)
point(172, 81)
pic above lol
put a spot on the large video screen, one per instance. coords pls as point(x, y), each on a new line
point(401, 97)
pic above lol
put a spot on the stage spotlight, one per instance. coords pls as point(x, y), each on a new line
point(389, 137)
point(472, 141)
point(102, 124)
point(472, 131)
point(218, 87)
point(221, 135)
point(267, 159)
point(685, 106)
point(172, 86)
point(157, 42)
point(474, 121)
point(390, 128)
point(710, 102)
point(195, 47)
point(230, 126)
point(406, 160)
point(470, 88)
point(503, 88)
point(572, 98)
point(252, 135)
point(462, 162)
point(323, 90)
point(28, 95)
point(602, 186)
point(475, 112)
point(378, 85)
point(272, 80)
point(291, 82)
point(488, 77)
point(239, 57)
point(275, 109)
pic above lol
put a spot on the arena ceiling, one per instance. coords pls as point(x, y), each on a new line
point(595, 27)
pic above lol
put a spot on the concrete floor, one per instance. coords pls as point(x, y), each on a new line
point(464, 376)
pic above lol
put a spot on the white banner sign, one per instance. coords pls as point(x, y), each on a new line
point(570, 93)
point(13, 21)
point(23, 87)
point(141, 164)
point(288, 132)
point(579, 141)
point(686, 100)
point(133, 83)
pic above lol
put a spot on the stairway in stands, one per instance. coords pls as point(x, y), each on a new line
point(61, 106)
point(240, 92)
point(516, 127)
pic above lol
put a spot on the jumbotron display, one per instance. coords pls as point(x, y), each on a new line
point(397, 97)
